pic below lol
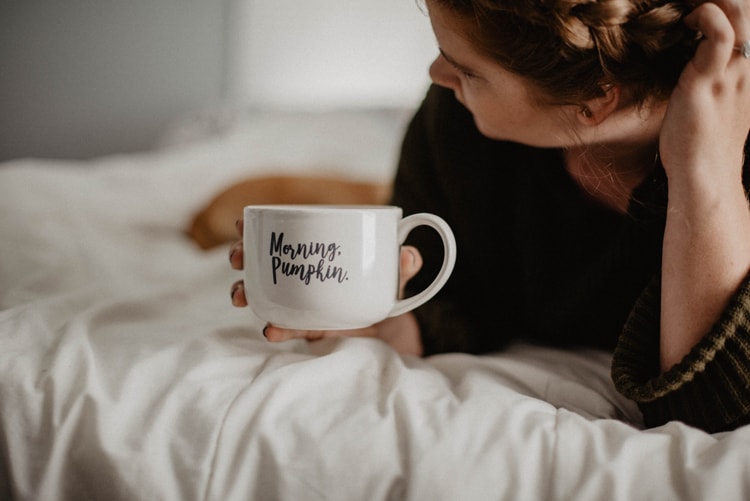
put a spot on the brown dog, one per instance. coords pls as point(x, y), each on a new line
point(215, 223)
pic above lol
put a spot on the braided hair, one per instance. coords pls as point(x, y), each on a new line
point(573, 49)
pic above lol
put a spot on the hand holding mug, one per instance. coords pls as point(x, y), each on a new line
point(314, 271)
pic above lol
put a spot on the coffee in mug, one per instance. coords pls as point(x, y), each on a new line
point(316, 267)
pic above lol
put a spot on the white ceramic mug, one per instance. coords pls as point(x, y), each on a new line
point(319, 267)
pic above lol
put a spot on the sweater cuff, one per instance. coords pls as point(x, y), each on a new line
point(708, 388)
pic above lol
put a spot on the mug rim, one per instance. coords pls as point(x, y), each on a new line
point(321, 207)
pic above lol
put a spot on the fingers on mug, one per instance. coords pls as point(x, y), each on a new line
point(332, 268)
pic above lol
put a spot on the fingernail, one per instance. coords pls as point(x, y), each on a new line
point(264, 332)
point(232, 252)
point(238, 224)
point(235, 288)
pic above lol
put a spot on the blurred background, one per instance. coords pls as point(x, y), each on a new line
point(84, 78)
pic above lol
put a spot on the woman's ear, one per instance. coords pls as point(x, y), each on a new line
point(596, 110)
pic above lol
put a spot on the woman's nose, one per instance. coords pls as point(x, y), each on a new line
point(443, 74)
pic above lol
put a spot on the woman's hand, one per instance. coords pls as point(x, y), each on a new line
point(401, 332)
point(706, 252)
point(708, 117)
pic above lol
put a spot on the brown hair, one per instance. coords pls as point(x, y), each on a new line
point(571, 49)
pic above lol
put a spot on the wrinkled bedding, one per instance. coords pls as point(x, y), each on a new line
point(126, 374)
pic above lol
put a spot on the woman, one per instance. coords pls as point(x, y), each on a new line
point(550, 141)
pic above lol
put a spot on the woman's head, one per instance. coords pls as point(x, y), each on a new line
point(573, 49)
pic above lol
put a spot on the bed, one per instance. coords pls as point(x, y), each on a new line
point(125, 373)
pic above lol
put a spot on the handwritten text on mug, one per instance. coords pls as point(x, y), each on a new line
point(283, 254)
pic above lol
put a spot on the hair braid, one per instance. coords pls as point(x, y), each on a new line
point(570, 48)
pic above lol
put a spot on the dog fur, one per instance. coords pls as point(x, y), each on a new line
point(215, 224)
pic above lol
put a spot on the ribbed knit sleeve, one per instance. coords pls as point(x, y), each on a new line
point(418, 188)
point(443, 170)
point(443, 329)
point(709, 388)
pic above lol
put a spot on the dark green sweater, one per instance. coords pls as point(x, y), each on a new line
point(539, 261)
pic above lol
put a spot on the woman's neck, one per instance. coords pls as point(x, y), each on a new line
point(608, 174)
point(616, 155)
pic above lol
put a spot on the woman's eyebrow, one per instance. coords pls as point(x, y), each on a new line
point(454, 63)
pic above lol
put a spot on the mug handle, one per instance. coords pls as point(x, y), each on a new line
point(405, 226)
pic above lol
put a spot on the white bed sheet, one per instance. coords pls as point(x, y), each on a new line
point(126, 374)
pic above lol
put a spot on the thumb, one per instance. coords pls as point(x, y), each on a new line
point(410, 264)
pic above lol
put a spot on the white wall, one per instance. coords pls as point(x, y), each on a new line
point(80, 78)
point(329, 53)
